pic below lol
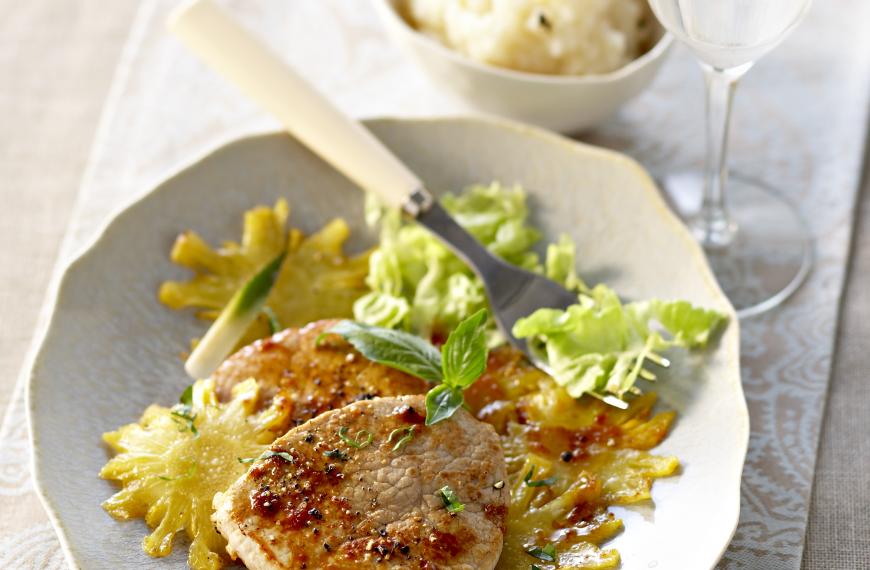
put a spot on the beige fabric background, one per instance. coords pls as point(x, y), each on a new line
point(57, 60)
point(56, 64)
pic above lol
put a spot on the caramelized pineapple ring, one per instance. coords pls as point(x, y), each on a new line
point(316, 281)
point(568, 461)
point(174, 460)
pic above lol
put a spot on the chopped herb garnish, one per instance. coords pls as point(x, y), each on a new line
point(540, 482)
point(461, 361)
point(547, 554)
point(363, 438)
point(535, 567)
point(404, 439)
point(266, 455)
point(451, 501)
point(336, 454)
point(183, 415)
point(274, 322)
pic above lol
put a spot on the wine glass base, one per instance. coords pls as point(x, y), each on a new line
point(772, 251)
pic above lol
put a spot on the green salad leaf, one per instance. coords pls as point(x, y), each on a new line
point(460, 362)
point(418, 285)
point(561, 264)
point(600, 346)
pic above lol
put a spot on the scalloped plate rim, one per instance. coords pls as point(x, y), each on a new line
point(112, 221)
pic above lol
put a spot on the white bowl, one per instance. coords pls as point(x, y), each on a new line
point(564, 103)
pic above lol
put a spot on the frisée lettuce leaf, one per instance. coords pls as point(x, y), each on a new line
point(418, 285)
point(601, 346)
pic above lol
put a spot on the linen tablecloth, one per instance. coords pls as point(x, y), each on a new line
point(800, 123)
point(837, 534)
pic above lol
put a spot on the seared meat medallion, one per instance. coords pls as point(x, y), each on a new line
point(310, 377)
point(362, 487)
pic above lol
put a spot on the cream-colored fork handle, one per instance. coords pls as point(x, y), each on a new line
point(235, 53)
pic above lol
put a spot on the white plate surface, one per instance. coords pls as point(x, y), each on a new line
point(111, 349)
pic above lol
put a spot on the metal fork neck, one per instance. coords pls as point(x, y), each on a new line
point(419, 202)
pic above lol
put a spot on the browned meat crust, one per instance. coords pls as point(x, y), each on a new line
point(308, 378)
point(328, 505)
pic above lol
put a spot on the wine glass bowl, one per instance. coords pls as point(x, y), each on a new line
point(726, 34)
point(758, 245)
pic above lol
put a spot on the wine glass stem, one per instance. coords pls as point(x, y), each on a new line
point(713, 226)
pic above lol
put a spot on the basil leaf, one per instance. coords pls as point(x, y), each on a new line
point(450, 500)
point(464, 353)
point(547, 554)
point(396, 349)
point(442, 401)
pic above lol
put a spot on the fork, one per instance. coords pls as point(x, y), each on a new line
point(347, 145)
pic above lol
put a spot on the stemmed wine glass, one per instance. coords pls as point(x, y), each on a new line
point(756, 240)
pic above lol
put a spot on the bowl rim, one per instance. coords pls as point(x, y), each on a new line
point(393, 20)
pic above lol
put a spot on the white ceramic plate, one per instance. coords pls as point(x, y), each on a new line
point(111, 349)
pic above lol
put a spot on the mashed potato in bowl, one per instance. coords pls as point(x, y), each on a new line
point(565, 37)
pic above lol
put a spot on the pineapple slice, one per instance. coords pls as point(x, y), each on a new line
point(568, 460)
point(171, 464)
point(546, 506)
point(317, 280)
